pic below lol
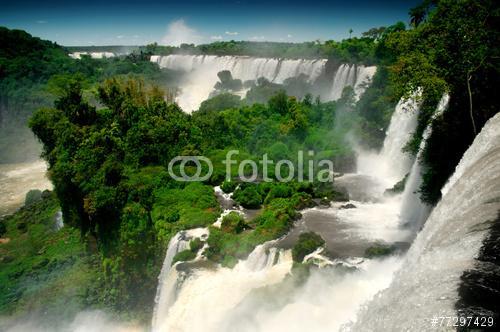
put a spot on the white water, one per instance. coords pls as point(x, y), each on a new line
point(93, 55)
point(202, 73)
point(391, 164)
point(221, 299)
point(426, 285)
point(59, 221)
point(413, 211)
point(359, 77)
point(16, 180)
point(165, 294)
point(207, 296)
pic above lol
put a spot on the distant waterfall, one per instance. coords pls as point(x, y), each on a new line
point(93, 55)
point(202, 73)
point(359, 77)
point(426, 285)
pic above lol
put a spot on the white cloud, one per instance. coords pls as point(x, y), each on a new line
point(232, 33)
point(41, 22)
point(289, 36)
point(216, 37)
point(120, 37)
point(257, 38)
point(178, 32)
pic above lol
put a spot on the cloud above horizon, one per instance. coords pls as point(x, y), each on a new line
point(258, 38)
point(178, 32)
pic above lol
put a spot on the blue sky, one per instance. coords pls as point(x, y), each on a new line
point(110, 22)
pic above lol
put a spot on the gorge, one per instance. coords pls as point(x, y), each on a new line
point(223, 178)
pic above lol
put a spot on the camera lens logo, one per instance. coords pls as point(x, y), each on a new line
point(194, 162)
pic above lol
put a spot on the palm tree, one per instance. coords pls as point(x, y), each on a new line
point(350, 33)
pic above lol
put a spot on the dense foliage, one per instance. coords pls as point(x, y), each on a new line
point(354, 50)
point(43, 269)
point(33, 70)
point(453, 48)
point(307, 244)
point(109, 164)
point(108, 145)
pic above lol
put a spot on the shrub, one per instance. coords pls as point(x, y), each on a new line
point(195, 245)
point(307, 243)
point(379, 250)
point(184, 256)
point(279, 191)
point(32, 197)
point(228, 186)
point(233, 223)
point(3, 228)
point(248, 197)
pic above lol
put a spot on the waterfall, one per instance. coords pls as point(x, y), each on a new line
point(391, 164)
point(201, 73)
point(207, 296)
point(168, 275)
point(93, 55)
point(358, 77)
point(222, 299)
point(426, 285)
point(58, 220)
point(413, 211)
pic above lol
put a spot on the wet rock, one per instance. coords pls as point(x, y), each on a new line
point(348, 206)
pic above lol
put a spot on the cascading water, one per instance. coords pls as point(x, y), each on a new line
point(391, 164)
point(413, 211)
point(351, 75)
point(166, 281)
point(345, 283)
point(426, 285)
point(201, 73)
point(205, 297)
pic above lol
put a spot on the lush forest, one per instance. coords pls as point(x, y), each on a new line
point(32, 73)
point(110, 127)
point(353, 50)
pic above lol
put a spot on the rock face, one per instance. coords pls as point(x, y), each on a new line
point(479, 289)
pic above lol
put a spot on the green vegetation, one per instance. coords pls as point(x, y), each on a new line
point(233, 223)
point(228, 244)
point(452, 48)
point(32, 197)
point(33, 70)
point(307, 244)
point(228, 186)
point(379, 250)
point(184, 256)
point(354, 50)
point(108, 166)
point(42, 269)
point(189, 254)
point(111, 133)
